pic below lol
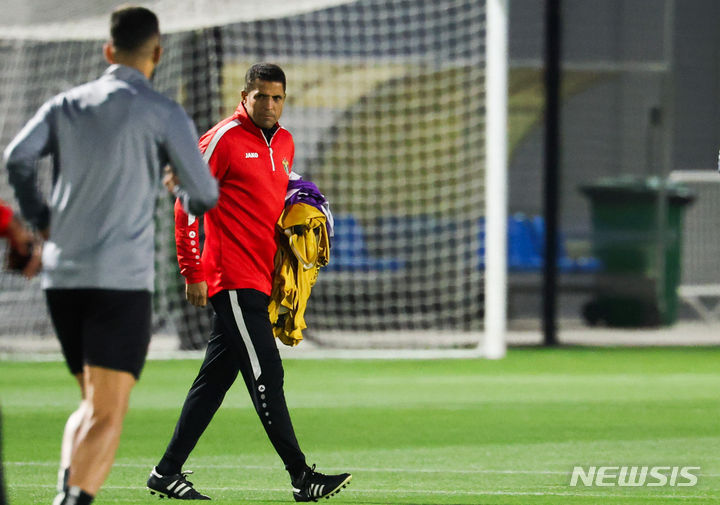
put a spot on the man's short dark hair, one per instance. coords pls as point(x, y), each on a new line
point(264, 72)
point(131, 27)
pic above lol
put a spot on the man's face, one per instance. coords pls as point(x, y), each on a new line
point(264, 103)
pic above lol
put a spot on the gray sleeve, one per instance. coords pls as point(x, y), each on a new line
point(21, 157)
point(198, 190)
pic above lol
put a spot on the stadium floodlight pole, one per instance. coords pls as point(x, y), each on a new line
point(553, 27)
point(496, 83)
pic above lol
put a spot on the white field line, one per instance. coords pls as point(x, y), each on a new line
point(430, 492)
point(354, 469)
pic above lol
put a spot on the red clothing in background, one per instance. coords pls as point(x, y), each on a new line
point(6, 215)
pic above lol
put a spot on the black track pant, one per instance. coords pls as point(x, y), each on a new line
point(241, 340)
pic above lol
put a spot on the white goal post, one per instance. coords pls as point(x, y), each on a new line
point(700, 265)
point(496, 160)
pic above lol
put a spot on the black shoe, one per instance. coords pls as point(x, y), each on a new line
point(312, 485)
point(173, 486)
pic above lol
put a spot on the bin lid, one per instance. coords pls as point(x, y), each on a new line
point(633, 188)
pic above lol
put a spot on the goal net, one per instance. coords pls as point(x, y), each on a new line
point(387, 104)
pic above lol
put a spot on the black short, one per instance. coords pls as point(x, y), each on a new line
point(102, 327)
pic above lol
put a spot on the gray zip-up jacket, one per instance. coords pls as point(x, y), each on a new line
point(109, 140)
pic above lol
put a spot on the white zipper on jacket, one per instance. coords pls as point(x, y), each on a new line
point(271, 158)
point(268, 142)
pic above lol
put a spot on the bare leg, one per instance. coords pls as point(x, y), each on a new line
point(70, 435)
point(107, 393)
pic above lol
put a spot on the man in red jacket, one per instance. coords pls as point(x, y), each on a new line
point(19, 238)
point(251, 156)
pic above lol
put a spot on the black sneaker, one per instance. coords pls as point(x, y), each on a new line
point(173, 486)
point(312, 485)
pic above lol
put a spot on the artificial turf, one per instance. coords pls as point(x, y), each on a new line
point(411, 432)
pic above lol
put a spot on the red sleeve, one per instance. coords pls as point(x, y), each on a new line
point(187, 241)
point(6, 215)
point(187, 227)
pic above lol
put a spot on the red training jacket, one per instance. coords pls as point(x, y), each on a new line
point(253, 175)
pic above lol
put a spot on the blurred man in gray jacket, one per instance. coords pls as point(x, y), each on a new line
point(109, 140)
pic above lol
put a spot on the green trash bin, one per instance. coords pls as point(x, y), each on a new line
point(641, 261)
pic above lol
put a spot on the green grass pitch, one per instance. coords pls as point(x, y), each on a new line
point(411, 432)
